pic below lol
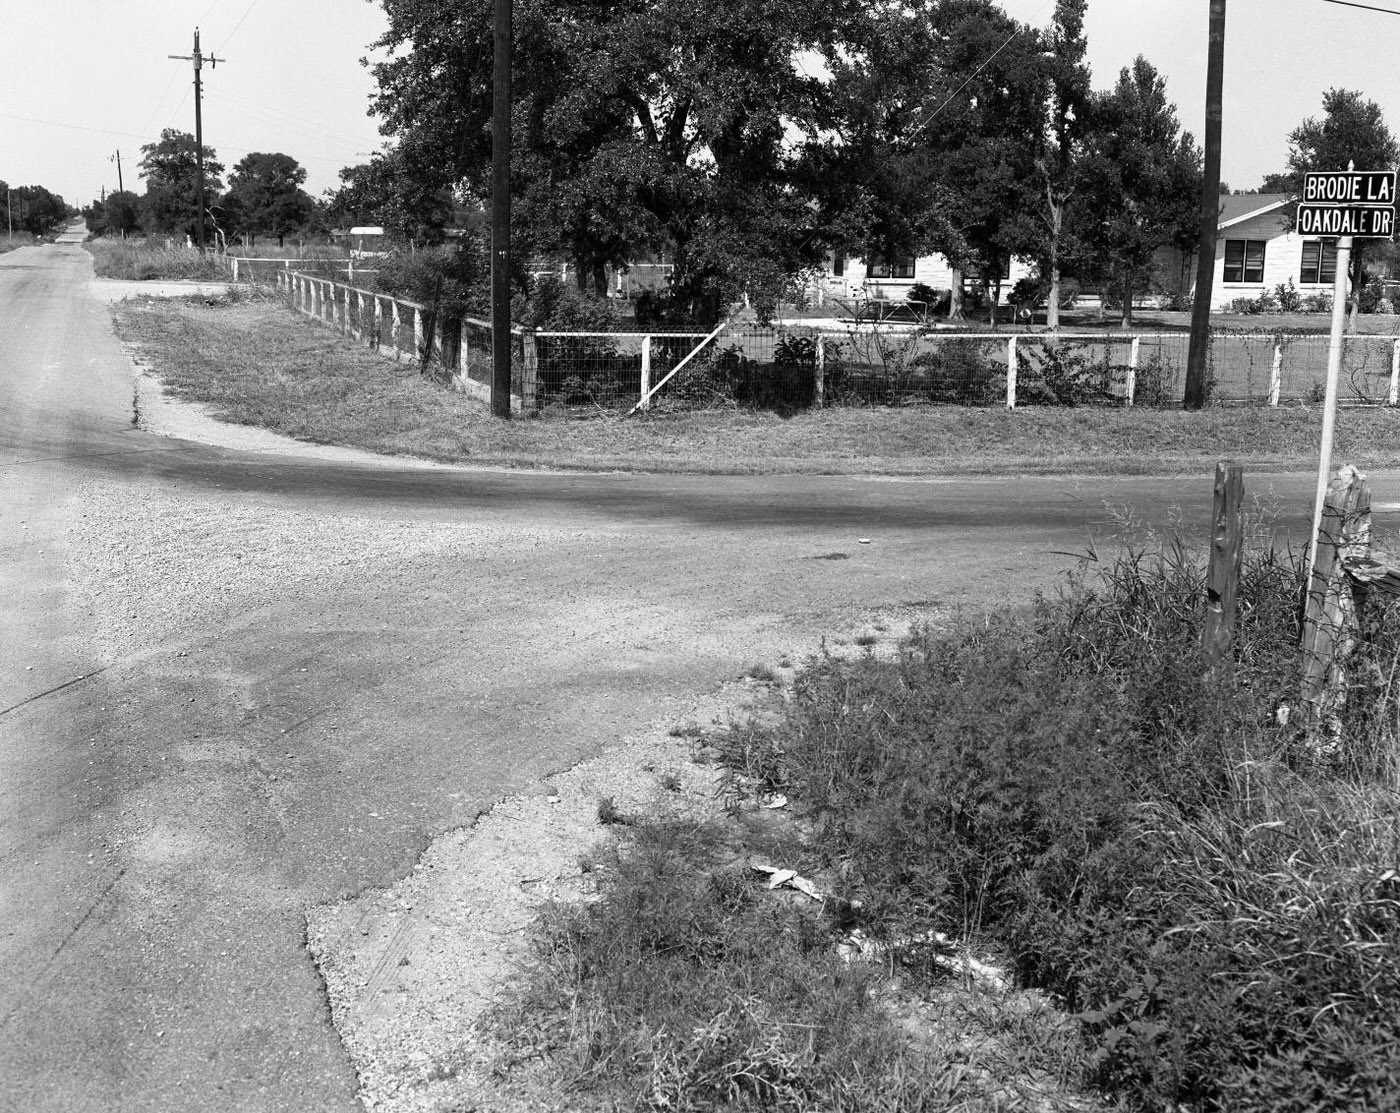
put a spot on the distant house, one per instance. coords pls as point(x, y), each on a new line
point(851, 277)
point(1255, 251)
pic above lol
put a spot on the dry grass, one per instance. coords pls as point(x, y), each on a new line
point(258, 364)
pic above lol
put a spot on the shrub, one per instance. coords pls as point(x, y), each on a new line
point(1063, 375)
point(1287, 296)
point(1220, 911)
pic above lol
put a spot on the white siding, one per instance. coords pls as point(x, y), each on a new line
point(931, 270)
point(1283, 260)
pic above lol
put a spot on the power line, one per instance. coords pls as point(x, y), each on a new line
point(1367, 7)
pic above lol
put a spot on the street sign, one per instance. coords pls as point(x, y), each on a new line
point(1350, 187)
point(1361, 221)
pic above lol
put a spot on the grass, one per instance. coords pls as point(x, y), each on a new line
point(258, 364)
point(1213, 904)
point(18, 240)
point(163, 258)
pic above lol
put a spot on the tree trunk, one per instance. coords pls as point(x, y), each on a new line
point(1358, 276)
point(955, 307)
point(995, 299)
point(1127, 317)
point(600, 278)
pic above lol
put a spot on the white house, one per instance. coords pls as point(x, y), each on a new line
point(848, 276)
point(1255, 251)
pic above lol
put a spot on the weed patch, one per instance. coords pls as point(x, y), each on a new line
point(1219, 911)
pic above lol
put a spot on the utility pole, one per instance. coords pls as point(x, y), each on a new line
point(500, 214)
point(120, 188)
point(198, 59)
point(1210, 213)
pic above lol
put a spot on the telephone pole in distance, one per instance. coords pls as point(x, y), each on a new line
point(199, 59)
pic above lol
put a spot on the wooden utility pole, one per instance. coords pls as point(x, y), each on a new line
point(1210, 213)
point(500, 214)
point(198, 59)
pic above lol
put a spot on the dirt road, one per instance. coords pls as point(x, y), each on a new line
point(235, 684)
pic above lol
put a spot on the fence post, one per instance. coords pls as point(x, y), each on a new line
point(1223, 576)
point(317, 296)
point(1395, 373)
point(530, 372)
point(234, 260)
point(643, 403)
point(378, 323)
point(819, 373)
point(394, 330)
point(1131, 385)
point(345, 311)
point(1330, 623)
point(418, 352)
point(1011, 373)
point(1276, 374)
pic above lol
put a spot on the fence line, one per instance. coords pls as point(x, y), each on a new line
point(820, 365)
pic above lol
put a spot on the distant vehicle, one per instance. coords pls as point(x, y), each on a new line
point(368, 242)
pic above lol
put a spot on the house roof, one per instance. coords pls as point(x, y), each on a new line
point(1239, 207)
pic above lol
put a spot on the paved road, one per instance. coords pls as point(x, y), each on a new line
point(234, 685)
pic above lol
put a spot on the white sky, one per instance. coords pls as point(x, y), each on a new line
point(1280, 57)
point(96, 73)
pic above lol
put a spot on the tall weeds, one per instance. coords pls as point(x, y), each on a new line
point(1219, 909)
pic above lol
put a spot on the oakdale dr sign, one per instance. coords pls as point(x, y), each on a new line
point(1358, 203)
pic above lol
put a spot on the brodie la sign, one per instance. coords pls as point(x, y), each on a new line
point(1358, 203)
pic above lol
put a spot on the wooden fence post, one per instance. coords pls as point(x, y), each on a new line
point(646, 373)
point(530, 372)
point(1393, 398)
point(1330, 622)
point(819, 374)
point(1011, 373)
point(394, 330)
point(1223, 576)
point(1130, 387)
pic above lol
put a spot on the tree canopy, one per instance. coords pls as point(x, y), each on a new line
point(34, 209)
point(744, 139)
point(171, 169)
point(265, 196)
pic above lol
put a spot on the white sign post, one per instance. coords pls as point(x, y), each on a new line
point(1348, 204)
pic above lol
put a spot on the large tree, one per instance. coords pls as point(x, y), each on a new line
point(1351, 130)
point(265, 196)
point(1146, 177)
point(638, 126)
point(119, 213)
point(34, 209)
point(933, 128)
point(171, 169)
point(1051, 209)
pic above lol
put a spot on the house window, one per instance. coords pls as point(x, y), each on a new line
point(1319, 261)
point(1244, 260)
point(838, 265)
point(974, 273)
point(901, 266)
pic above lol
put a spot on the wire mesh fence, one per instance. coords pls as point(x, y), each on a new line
point(871, 364)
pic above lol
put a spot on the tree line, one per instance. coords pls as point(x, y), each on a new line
point(750, 140)
point(264, 195)
point(32, 209)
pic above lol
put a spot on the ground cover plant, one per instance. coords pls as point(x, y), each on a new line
point(160, 257)
point(256, 363)
point(1215, 903)
point(1213, 899)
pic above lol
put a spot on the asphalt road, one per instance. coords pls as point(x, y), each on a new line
point(233, 685)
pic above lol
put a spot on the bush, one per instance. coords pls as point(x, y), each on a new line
point(1064, 375)
point(1288, 298)
point(1220, 911)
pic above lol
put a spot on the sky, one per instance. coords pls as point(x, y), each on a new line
point(1280, 57)
point(83, 79)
